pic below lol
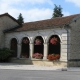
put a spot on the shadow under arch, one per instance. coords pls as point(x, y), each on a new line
point(54, 45)
point(38, 47)
point(13, 46)
point(25, 48)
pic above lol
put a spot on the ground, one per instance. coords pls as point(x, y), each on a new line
point(38, 75)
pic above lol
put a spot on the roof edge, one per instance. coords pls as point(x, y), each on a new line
point(6, 14)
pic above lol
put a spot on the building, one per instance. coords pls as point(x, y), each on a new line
point(59, 36)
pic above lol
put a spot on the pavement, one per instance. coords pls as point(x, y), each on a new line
point(35, 67)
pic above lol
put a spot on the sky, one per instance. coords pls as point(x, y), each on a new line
point(35, 10)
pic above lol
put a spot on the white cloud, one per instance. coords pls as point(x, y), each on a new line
point(10, 2)
point(37, 14)
point(15, 7)
point(32, 14)
point(76, 2)
point(6, 4)
point(66, 13)
point(39, 1)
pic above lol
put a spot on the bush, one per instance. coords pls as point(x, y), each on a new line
point(37, 55)
point(5, 54)
point(52, 57)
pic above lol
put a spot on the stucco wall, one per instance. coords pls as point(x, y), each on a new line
point(46, 34)
point(74, 55)
point(5, 23)
point(75, 40)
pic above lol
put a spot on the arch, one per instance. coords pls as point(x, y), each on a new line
point(33, 38)
point(38, 50)
point(28, 37)
point(13, 46)
point(48, 37)
point(25, 48)
point(54, 45)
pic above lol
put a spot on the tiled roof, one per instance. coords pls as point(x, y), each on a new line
point(49, 23)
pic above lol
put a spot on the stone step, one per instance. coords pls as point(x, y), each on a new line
point(39, 62)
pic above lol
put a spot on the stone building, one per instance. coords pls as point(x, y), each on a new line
point(52, 36)
point(7, 22)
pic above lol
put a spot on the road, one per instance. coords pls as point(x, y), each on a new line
point(38, 75)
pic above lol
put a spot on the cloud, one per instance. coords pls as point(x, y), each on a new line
point(39, 1)
point(23, 4)
point(32, 14)
point(66, 13)
point(37, 14)
point(11, 2)
point(15, 7)
point(27, 8)
point(76, 2)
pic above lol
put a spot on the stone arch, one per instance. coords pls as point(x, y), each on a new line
point(33, 38)
point(48, 37)
point(24, 37)
point(25, 48)
point(9, 39)
point(13, 46)
point(54, 45)
point(38, 47)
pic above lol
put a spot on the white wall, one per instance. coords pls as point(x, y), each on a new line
point(46, 34)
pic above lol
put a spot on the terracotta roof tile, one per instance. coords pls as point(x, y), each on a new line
point(49, 23)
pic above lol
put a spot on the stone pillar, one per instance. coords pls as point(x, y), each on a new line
point(45, 51)
point(63, 56)
point(31, 50)
point(18, 50)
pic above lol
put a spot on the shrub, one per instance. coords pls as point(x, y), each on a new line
point(37, 55)
point(5, 54)
point(52, 57)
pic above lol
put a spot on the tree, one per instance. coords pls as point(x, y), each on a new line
point(57, 12)
point(20, 18)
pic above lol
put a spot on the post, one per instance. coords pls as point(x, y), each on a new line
point(45, 51)
point(18, 50)
point(31, 50)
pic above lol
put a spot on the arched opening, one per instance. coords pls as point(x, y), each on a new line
point(13, 47)
point(25, 52)
point(38, 48)
point(54, 46)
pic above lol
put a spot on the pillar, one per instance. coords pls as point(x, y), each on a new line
point(45, 51)
point(31, 50)
point(18, 50)
point(63, 56)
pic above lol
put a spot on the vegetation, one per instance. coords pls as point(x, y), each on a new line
point(5, 54)
point(20, 18)
point(57, 12)
point(53, 57)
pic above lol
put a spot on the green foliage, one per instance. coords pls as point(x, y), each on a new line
point(20, 18)
point(5, 53)
point(57, 12)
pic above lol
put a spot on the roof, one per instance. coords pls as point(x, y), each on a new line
point(6, 14)
point(49, 23)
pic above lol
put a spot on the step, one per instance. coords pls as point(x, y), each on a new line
point(39, 62)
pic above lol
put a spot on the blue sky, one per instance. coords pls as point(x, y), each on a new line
point(33, 10)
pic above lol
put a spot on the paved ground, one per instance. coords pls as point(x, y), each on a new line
point(35, 67)
point(10, 74)
point(13, 71)
point(26, 67)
